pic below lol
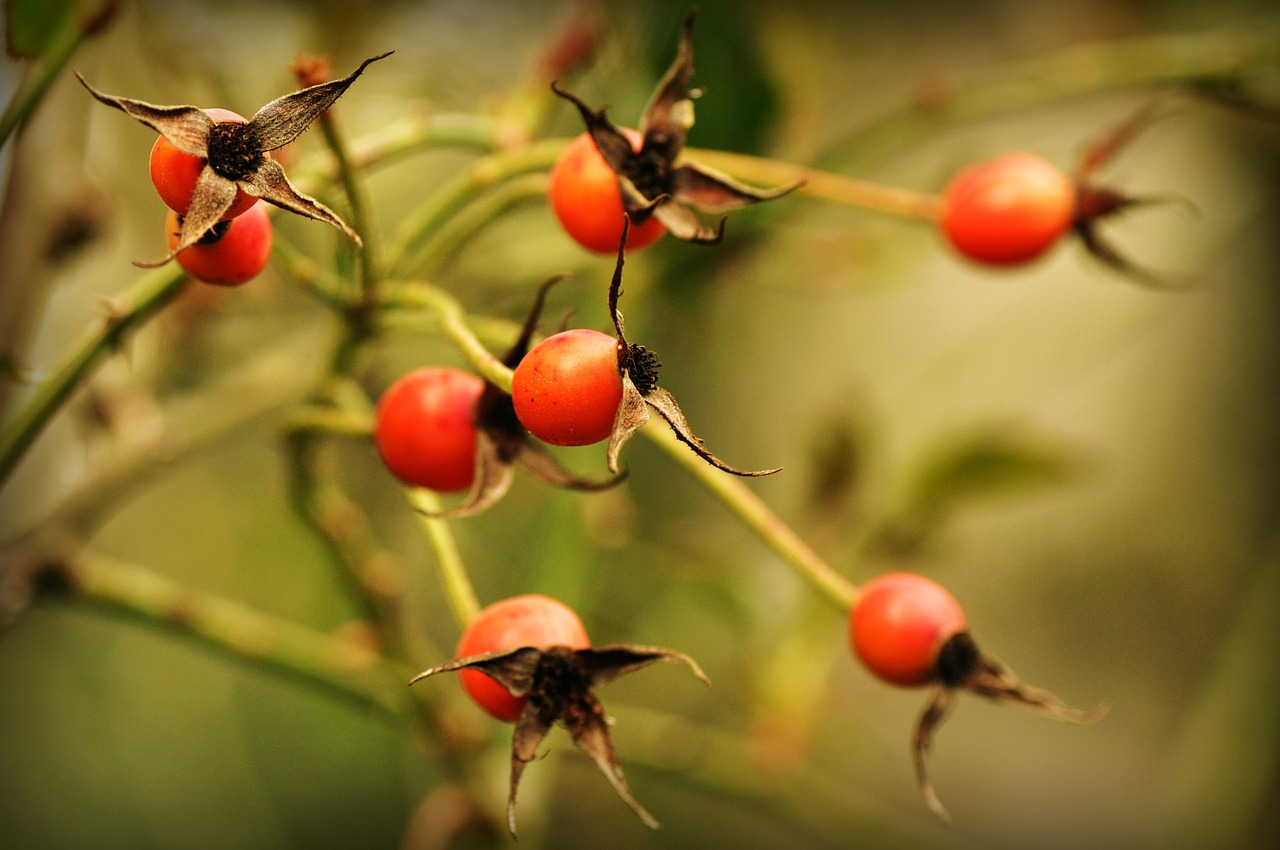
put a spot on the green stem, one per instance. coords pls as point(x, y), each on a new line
point(459, 592)
point(757, 516)
point(453, 322)
point(480, 175)
point(357, 198)
point(473, 218)
point(889, 200)
point(29, 95)
point(419, 130)
point(125, 313)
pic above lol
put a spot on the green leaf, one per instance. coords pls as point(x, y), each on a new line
point(986, 463)
point(35, 28)
point(33, 25)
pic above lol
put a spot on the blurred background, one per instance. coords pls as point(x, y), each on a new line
point(1089, 464)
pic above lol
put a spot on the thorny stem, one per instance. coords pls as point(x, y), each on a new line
point(124, 313)
point(337, 665)
point(459, 592)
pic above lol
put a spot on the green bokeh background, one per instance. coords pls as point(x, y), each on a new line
point(845, 346)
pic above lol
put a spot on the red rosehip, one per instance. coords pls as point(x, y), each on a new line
point(233, 252)
point(174, 173)
point(586, 199)
point(1008, 210)
point(567, 389)
point(425, 428)
point(529, 620)
point(900, 625)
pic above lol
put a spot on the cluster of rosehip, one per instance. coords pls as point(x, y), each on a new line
point(527, 659)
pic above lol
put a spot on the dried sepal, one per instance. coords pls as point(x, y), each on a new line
point(558, 685)
point(235, 153)
point(186, 127)
point(656, 181)
point(963, 667)
point(285, 118)
point(714, 191)
point(1095, 203)
point(668, 115)
point(271, 184)
point(638, 367)
point(663, 402)
point(590, 732)
point(603, 664)
point(212, 197)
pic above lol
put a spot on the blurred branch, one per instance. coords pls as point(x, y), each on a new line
point(191, 421)
point(75, 27)
point(459, 592)
point(473, 218)
point(124, 313)
point(1239, 60)
point(485, 172)
point(877, 197)
point(343, 667)
point(734, 494)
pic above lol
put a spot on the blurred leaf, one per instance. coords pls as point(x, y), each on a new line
point(989, 463)
point(33, 28)
point(32, 25)
point(984, 463)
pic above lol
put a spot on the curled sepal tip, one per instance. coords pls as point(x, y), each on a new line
point(1095, 203)
point(640, 391)
point(986, 677)
point(657, 180)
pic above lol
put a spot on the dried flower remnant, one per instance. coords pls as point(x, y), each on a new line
point(640, 391)
point(235, 153)
point(557, 684)
point(1095, 202)
point(654, 180)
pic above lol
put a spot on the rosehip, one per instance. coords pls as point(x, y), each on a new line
point(567, 389)
point(529, 620)
point(1008, 210)
point(425, 428)
point(233, 252)
point(900, 626)
point(585, 197)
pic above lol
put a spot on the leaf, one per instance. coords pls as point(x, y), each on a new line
point(32, 25)
point(988, 463)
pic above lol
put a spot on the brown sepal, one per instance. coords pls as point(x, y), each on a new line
point(1095, 203)
point(963, 667)
point(650, 180)
point(640, 391)
point(558, 684)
